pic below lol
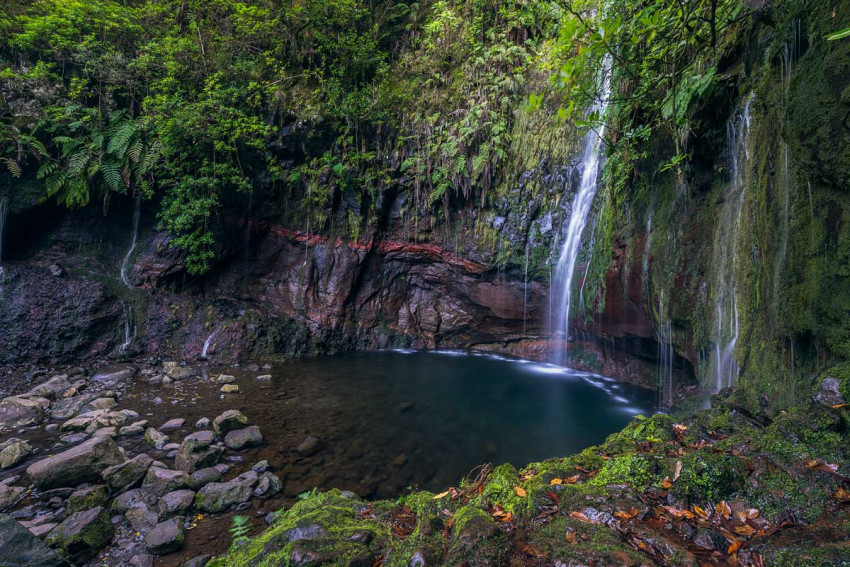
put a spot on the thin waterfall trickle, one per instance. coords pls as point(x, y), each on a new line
point(664, 338)
point(208, 342)
point(4, 207)
point(562, 283)
point(129, 328)
point(790, 54)
point(724, 334)
point(126, 263)
point(525, 293)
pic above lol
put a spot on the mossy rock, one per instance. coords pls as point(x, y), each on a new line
point(82, 535)
point(87, 498)
point(709, 477)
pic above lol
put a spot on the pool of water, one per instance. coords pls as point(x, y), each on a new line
point(396, 419)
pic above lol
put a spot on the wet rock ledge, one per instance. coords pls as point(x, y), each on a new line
point(719, 488)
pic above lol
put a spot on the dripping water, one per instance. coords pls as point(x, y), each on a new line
point(724, 334)
point(562, 284)
point(208, 342)
point(128, 327)
point(125, 265)
point(525, 293)
point(664, 338)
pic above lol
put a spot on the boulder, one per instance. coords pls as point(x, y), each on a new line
point(197, 451)
point(219, 496)
point(177, 372)
point(205, 476)
point(161, 481)
point(202, 423)
point(82, 535)
point(115, 373)
point(100, 404)
point(18, 411)
point(155, 438)
point(10, 495)
point(83, 463)
point(13, 451)
point(175, 503)
point(225, 379)
point(142, 517)
point(243, 438)
point(829, 392)
point(69, 407)
point(53, 388)
point(87, 498)
point(267, 485)
point(20, 547)
point(199, 561)
point(172, 424)
point(142, 560)
point(128, 474)
point(228, 421)
point(166, 537)
point(229, 389)
point(131, 431)
point(132, 497)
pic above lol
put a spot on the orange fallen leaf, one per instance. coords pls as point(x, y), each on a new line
point(838, 406)
point(626, 515)
point(724, 509)
point(678, 513)
point(820, 465)
point(555, 481)
point(581, 517)
point(570, 536)
point(571, 479)
point(679, 428)
point(744, 530)
point(841, 493)
point(440, 495)
point(701, 513)
point(520, 491)
point(733, 549)
point(666, 483)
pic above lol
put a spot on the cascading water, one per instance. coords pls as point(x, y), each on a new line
point(128, 327)
point(664, 338)
point(4, 207)
point(724, 334)
point(126, 263)
point(208, 342)
point(563, 279)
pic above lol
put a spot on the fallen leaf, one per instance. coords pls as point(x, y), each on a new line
point(838, 406)
point(555, 481)
point(520, 491)
point(678, 471)
point(744, 530)
point(580, 517)
point(666, 483)
point(441, 495)
point(733, 549)
point(841, 493)
point(701, 513)
point(679, 428)
point(724, 509)
point(822, 466)
point(677, 513)
point(570, 536)
point(571, 479)
point(626, 515)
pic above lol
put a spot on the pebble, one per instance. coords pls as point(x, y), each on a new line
point(202, 423)
point(51, 427)
point(229, 389)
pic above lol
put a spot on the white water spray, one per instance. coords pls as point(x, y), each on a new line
point(208, 342)
point(562, 283)
point(129, 328)
point(125, 265)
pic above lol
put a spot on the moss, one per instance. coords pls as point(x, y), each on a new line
point(630, 469)
point(88, 498)
point(709, 477)
point(840, 372)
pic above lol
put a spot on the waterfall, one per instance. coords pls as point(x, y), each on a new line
point(208, 342)
point(664, 338)
point(129, 334)
point(724, 334)
point(126, 263)
point(562, 283)
point(4, 207)
point(525, 293)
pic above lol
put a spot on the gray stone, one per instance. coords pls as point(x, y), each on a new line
point(10, 495)
point(264, 377)
point(131, 431)
point(829, 392)
point(177, 372)
point(13, 451)
point(309, 446)
point(172, 424)
point(199, 561)
point(229, 389)
point(142, 517)
point(83, 463)
point(155, 438)
point(225, 379)
point(132, 497)
point(87, 498)
point(219, 496)
point(115, 373)
point(128, 474)
point(82, 535)
point(175, 503)
point(197, 451)
point(68, 408)
point(41, 530)
point(105, 431)
point(267, 485)
point(228, 421)
point(205, 476)
point(261, 467)
point(202, 423)
point(53, 388)
point(18, 411)
point(142, 560)
point(100, 404)
point(166, 537)
point(21, 548)
point(243, 438)
point(161, 481)
point(74, 438)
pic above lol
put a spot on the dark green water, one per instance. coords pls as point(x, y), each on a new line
point(388, 420)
